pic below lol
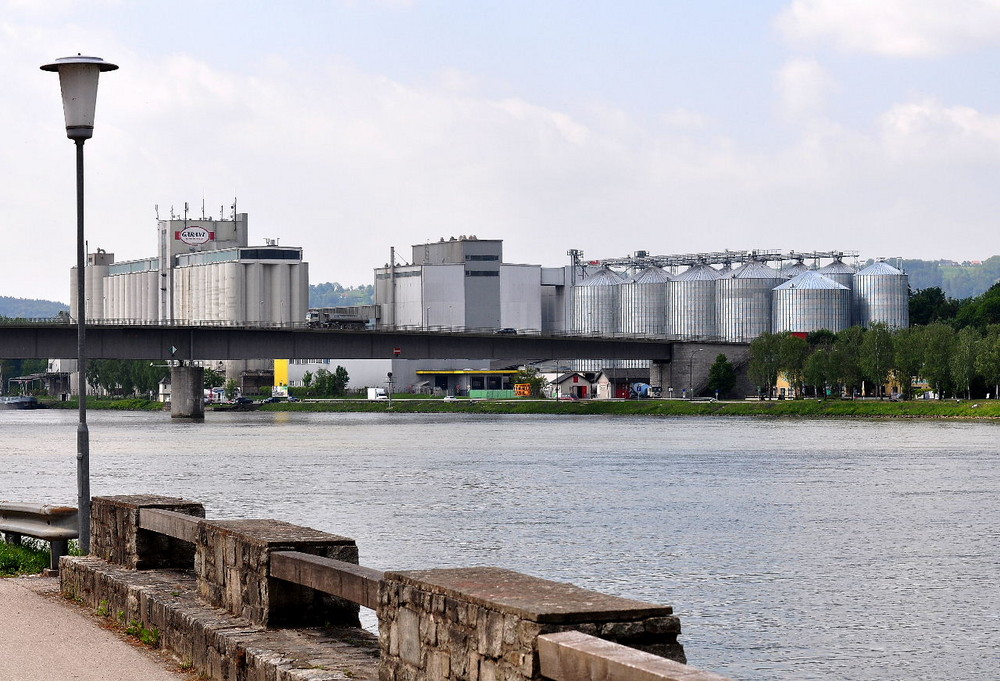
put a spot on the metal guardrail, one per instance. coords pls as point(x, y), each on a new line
point(54, 524)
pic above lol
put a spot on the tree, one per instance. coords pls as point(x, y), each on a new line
point(765, 361)
point(876, 355)
point(846, 358)
point(963, 359)
point(529, 376)
point(329, 383)
point(230, 387)
point(793, 352)
point(818, 369)
point(930, 305)
point(908, 357)
point(213, 378)
point(939, 340)
point(125, 377)
point(722, 375)
point(988, 358)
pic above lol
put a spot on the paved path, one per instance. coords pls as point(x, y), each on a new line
point(43, 638)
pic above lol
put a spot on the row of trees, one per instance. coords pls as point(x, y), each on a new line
point(963, 362)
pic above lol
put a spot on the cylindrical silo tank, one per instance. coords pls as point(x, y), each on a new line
point(840, 272)
point(743, 302)
point(794, 270)
point(691, 303)
point(881, 294)
point(644, 302)
point(810, 302)
point(596, 303)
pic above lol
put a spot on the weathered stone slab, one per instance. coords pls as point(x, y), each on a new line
point(116, 537)
point(211, 641)
point(531, 598)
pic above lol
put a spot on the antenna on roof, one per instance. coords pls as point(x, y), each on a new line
point(156, 208)
point(203, 206)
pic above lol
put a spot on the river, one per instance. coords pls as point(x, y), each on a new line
point(791, 549)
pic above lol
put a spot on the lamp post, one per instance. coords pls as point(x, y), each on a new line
point(78, 80)
point(691, 370)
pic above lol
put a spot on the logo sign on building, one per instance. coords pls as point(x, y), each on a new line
point(194, 236)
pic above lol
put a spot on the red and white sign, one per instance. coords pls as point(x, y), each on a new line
point(194, 236)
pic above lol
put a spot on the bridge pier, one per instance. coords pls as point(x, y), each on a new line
point(187, 392)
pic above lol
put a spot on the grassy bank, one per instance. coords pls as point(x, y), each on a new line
point(16, 560)
point(801, 408)
point(967, 409)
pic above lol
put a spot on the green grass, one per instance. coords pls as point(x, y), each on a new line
point(29, 559)
point(130, 404)
point(967, 409)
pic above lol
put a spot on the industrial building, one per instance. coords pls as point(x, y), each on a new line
point(205, 271)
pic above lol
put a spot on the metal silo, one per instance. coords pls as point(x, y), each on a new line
point(743, 302)
point(794, 270)
point(691, 304)
point(596, 303)
point(840, 272)
point(644, 302)
point(881, 294)
point(810, 302)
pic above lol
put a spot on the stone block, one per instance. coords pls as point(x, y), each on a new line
point(116, 537)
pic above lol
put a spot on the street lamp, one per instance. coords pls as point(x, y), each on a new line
point(78, 80)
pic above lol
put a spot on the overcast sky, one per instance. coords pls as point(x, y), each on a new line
point(349, 126)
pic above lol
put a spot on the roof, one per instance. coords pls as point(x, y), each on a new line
point(603, 277)
point(699, 272)
point(809, 281)
point(880, 268)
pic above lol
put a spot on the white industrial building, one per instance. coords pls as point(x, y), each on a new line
point(205, 271)
point(461, 282)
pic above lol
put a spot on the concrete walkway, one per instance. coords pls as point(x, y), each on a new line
point(43, 638)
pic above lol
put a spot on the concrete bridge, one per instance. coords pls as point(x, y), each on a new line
point(263, 600)
point(681, 363)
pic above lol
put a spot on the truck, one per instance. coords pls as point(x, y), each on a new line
point(377, 394)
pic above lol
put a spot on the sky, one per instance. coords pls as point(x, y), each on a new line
point(351, 126)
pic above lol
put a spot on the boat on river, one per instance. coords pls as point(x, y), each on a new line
point(20, 402)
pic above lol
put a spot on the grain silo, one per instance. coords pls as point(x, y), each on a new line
point(840, 272)
point(743, 302)
point(644, 302)
point(596, 303)
point(810, 302)
point(691, 304)
point(794, 270)
point(881, 294)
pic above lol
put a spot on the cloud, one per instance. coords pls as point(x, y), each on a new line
point(893, 28)
point(802, 86)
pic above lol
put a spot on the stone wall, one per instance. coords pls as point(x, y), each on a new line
point(115, 535)
point(482, 624)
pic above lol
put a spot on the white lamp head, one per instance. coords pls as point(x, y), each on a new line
point(78, 80)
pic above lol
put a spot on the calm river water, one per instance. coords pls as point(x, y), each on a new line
point(791, 549)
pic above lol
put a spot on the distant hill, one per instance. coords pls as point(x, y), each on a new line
point(957, 280)
point(30, 308)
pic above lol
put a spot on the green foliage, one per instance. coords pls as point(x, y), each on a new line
point(328, 383)
point(988, 358)
point(332, 294)
point(818, 370)
point(12, 368)
point(230, 388)
point(27, 559)
point(213, 378)
point(908, 356)
point(939, 342)
point(125, 377)
point(877, 355)
point(148, 635)
point(956, 281)
point(794, 350)
point(722, 375)
point(963, 359)
point(847, 358)
point(980, 311)
point(530, 376)
point(765, 361)
point(931, 305)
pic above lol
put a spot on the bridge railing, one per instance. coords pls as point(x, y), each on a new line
point(54, 524)
point(433, 624)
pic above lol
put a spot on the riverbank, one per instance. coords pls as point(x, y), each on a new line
point(964, 409)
